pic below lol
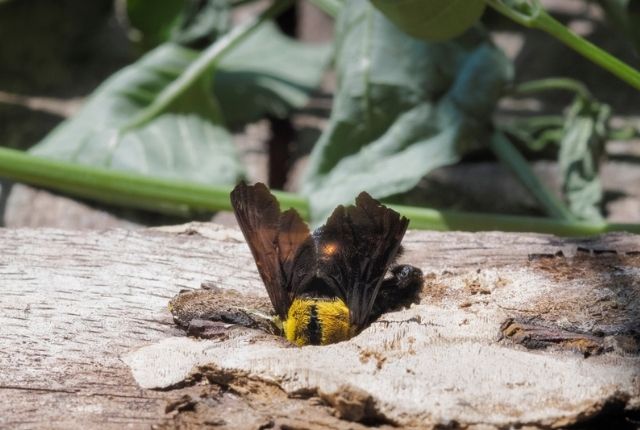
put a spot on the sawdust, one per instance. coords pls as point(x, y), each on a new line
point(433, 288)
point(376, 356)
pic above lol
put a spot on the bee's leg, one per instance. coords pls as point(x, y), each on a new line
point(399, 290)
point(269, 323)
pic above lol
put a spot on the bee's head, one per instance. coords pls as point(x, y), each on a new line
point(317, 321)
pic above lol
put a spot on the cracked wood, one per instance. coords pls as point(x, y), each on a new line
point(73, 304)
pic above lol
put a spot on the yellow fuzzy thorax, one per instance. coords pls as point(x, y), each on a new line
point(319, 321)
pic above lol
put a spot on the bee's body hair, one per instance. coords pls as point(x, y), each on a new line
point(317, 321)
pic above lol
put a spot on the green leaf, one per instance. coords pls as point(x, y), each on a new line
point(154, 19)
point(187, 22)
point(403, 107)
point(185, 141)
point(432, 19)
point(202, 22)
point(581, 150)
point(268, 74)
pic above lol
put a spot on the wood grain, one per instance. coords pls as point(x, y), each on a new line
point(73, 304)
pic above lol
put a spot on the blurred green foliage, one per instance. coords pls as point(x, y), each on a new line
point(434, 19)
point(624, 15)
point(194, 23)
point(187, 139)
point(418, 84)
point(403, 108)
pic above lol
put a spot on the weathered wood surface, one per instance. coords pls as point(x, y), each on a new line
point(84, 326)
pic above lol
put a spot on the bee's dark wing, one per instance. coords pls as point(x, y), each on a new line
point(280, 242)
point(354, 249)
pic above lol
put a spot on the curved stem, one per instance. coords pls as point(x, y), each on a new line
point(538, 18)
point(607, 61)
point(162, 195)
point(511, 157)
point(548, 84)
point(445, 220)
point(203, 63)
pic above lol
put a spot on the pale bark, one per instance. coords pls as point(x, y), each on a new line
point(85, 335)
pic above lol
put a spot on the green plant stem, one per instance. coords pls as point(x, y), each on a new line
point(207, 60)
point(549, 84)
point(123, 188)
point(539, 19)
point(511, 157)
point(445, 220)
point(162, 195)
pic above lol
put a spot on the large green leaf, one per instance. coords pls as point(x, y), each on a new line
point(202, 22)
point(186, 22)
point(581, 151)
point(154, 19)
point(432, 19)
point(269, 74)
point(185, 141)
point(403, 108)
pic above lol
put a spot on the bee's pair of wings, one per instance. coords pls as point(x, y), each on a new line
point(350, 253)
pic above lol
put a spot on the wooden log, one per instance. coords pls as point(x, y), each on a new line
point(511, 330)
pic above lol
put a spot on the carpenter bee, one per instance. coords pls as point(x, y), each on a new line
point(328, 285)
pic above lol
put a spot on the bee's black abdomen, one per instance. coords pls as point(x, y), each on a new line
point(317, 287)
point(314, 328)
